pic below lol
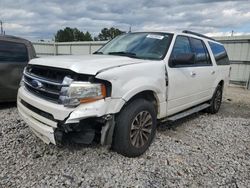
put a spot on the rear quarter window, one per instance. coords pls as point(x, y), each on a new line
point(13, 52)
point(219, 53)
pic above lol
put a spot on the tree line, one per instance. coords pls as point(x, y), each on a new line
point(73, 34)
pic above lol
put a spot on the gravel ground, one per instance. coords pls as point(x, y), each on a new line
point(201, 150)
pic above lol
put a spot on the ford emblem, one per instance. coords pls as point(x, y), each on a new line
point(36, 84)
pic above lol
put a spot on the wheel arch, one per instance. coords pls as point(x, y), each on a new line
point(221, 83)
point(218, 82)
point(148, 95)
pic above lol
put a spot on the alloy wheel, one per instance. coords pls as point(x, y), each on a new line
point(141, 129)
point(218, 99)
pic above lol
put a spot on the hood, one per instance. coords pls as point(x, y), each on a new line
point(87, 64)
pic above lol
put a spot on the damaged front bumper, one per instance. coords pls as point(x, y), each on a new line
point(53, 122)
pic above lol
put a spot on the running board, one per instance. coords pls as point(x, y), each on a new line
point(188, 112)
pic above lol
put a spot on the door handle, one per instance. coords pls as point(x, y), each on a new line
point(213, 72)
point(193, 74)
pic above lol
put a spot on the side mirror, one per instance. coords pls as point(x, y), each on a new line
point(182, 59)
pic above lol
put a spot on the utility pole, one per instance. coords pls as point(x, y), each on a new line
point(1, 24)
point(129, 29)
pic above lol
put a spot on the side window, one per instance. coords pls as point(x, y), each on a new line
point(182, 54)
point(201, 53)
point(13, 52)
point(220, 53)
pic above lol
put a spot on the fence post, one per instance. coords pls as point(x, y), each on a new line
point(70, 49)
point(54, 48)
point(248, 86)
point(90, 50)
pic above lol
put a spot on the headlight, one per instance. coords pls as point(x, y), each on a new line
point(82, 92)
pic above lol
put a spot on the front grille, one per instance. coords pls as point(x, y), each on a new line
point(50, 73)
point(46, 82)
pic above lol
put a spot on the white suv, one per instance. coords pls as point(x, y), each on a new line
point(117, 95)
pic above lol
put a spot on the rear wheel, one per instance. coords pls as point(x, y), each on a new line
point(216, 100)
point(135, 128)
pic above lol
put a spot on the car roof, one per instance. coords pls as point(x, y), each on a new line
point(11, 38)
point(184, 33)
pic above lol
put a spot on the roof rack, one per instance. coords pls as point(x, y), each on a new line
point(197, 34)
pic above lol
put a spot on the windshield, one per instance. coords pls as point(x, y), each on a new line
point(138, 45)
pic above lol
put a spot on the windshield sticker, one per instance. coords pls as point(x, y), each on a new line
point(159, 37)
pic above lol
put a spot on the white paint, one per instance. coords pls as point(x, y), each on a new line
point(85, 64)
point(130, 76)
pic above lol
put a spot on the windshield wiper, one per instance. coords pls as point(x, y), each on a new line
point(129, 54)
point(97, 52)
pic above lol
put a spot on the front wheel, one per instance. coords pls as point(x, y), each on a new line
point(216, 100)
point(135, 128)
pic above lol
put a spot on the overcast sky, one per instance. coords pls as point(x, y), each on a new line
point(40, 19)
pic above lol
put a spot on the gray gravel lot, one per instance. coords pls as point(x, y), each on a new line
point(201, 150)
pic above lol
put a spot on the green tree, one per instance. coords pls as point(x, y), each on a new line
point(78, 35)
point(87, 37)
point(72, 34)
point(108, 34)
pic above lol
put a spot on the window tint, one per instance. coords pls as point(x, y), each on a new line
point(13, 52)
point(182, 54)
point(201, 54)
point(181, 46)
point(220, 53)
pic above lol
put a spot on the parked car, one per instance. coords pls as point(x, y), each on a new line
point(117, 95)
point(15, 53)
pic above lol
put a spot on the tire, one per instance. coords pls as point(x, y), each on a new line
point(135, 128)
point(215, 102)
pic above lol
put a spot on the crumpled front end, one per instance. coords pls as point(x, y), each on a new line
point(39, 105)
point(56, 124)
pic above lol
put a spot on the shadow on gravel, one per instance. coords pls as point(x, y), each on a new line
point(178, 123)
point(72, 146)
point(6, 105)
point(227, 110)
point(75, 146)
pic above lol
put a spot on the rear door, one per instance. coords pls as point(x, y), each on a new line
point(205, 71)
point(13, 58)
point(222, 62)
